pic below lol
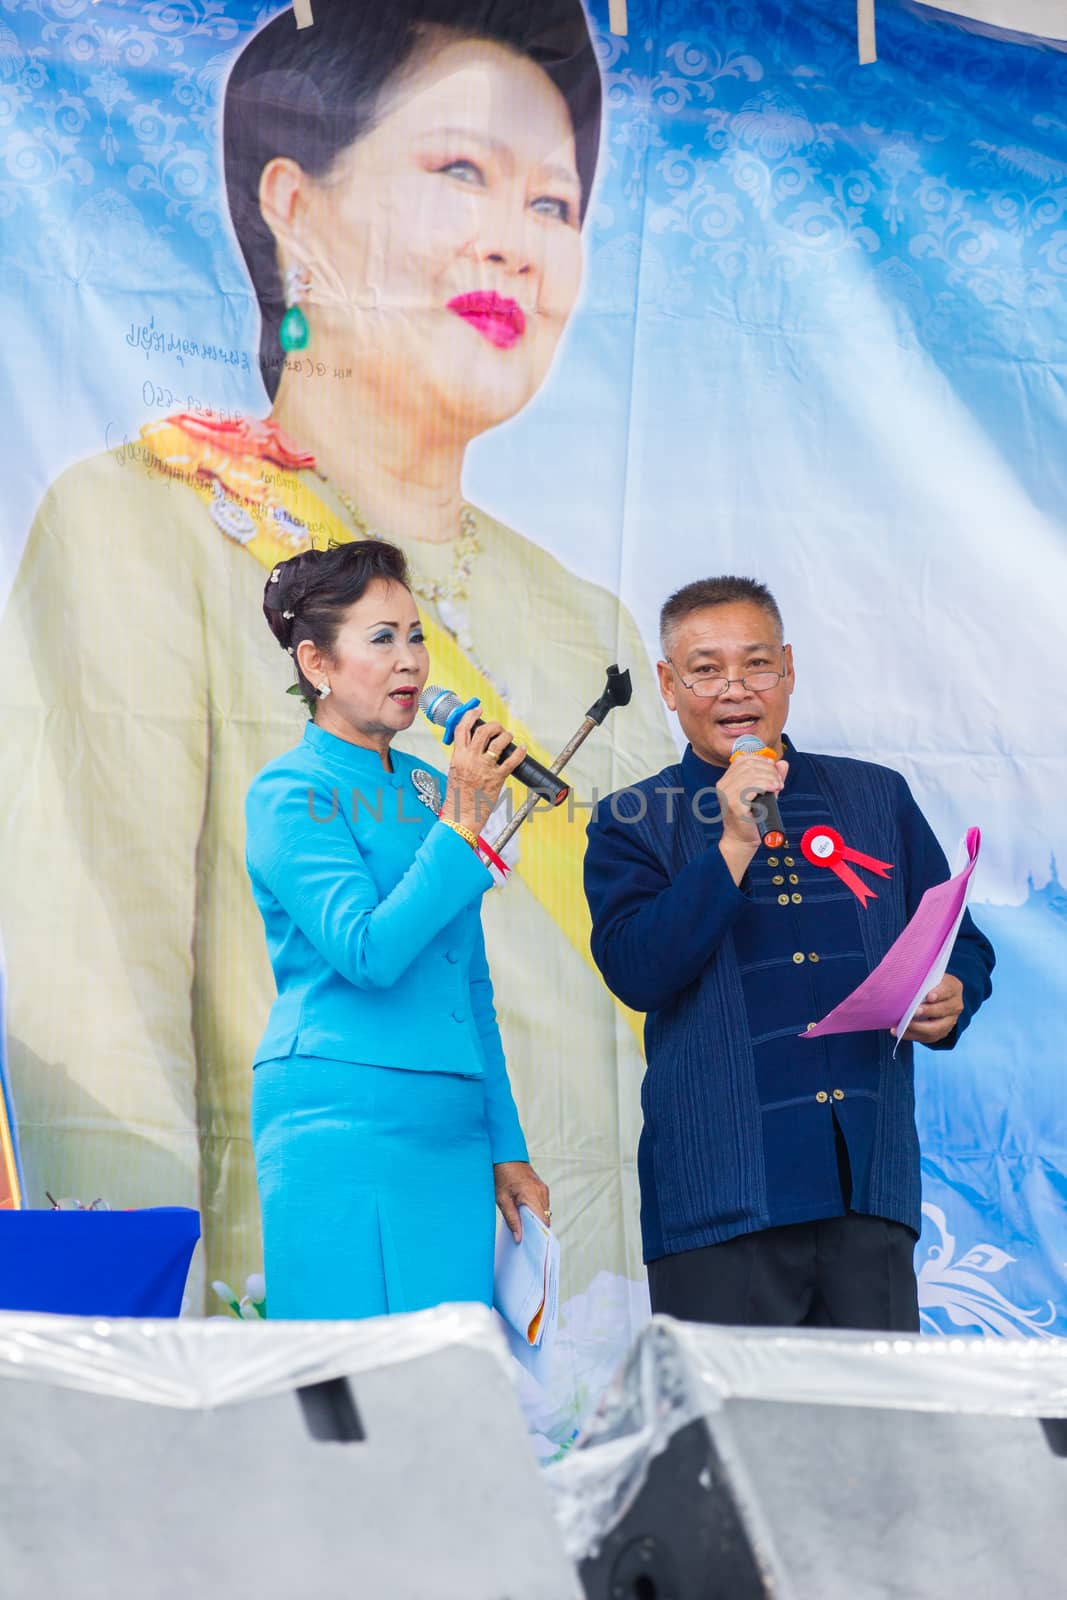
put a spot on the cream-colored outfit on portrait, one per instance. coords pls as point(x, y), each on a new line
point(141, 693)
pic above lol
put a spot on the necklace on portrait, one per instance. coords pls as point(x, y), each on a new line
point(450, 594)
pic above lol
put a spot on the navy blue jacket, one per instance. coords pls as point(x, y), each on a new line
point(739, 1111)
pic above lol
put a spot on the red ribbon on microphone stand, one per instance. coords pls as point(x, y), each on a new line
point(486, 849)
point(824, 847)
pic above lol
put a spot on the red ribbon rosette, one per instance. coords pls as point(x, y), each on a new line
point(824, 847)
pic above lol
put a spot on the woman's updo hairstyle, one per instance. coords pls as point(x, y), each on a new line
point(309, 94)
point(308, 596)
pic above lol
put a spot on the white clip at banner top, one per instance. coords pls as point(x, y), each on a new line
point(865, 35)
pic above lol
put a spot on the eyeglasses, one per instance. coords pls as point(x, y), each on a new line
point(76, 1205)
point(711, 686)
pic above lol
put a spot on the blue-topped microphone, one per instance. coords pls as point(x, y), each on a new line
point(444, 709)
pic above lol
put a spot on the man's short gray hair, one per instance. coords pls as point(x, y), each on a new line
point(705, 592)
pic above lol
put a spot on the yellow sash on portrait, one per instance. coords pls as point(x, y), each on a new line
point(10, 1189)
point(275, 513)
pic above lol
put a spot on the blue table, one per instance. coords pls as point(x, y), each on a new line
point(97, 1263)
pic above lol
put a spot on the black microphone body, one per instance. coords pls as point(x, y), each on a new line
point(440, 706)
point(765, 812)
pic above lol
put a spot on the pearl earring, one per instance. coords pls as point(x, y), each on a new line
point(294, 333)
point(323, 689)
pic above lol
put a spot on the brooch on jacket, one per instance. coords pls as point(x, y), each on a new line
point(427, 789)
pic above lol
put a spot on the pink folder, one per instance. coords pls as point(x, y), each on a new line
point(912, 965)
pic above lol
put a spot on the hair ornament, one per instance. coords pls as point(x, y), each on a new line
point(288, 615)
point(275, 575)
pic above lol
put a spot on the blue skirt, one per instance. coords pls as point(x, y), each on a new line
point(375, 1188)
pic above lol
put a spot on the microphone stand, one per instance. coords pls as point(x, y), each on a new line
point(618, 691)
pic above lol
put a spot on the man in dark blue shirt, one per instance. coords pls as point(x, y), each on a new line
point(779, 1176)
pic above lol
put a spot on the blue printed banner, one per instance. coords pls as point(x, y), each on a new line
point(773, 313)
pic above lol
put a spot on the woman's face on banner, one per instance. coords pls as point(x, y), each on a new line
point(444, 245)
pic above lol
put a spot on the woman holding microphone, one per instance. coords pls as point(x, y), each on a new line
point(382, 1118)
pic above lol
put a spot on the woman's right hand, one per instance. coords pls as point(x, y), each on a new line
point(477, 773)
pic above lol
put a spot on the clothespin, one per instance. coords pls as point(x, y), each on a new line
point(302, 13)
point(865, 37)
point(617, 16)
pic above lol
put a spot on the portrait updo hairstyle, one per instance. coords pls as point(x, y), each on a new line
point(309, 94)
point(308, 596)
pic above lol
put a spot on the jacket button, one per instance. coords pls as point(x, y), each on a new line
point(790, 861)
point(822, 1097)
point(772, 861)
point(810, 1026)
point(452, 955)
point(814, 956)
point(797, 899)
point(839, 1094)
point(777, 878)
point(783, 899)
point(459, 1016)
point(798, 956)
point(793, 878)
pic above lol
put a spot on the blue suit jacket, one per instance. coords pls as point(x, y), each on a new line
point(740, 1111)
point(372, 910)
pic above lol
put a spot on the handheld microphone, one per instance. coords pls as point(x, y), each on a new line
point(765, 812)
point(444, 709)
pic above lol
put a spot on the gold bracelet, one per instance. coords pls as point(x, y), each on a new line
point(457, 827)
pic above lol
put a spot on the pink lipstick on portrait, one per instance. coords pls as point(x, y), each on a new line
point(500, 321)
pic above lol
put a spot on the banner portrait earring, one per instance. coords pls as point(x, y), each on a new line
point(294, 333)
point(323, 689)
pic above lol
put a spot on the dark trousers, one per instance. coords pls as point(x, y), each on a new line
point(840, 1272)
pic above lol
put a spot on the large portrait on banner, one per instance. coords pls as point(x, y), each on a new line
point(397, 251)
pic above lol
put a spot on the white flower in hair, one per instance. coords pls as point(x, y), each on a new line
point(288, 615)
point(276, 574)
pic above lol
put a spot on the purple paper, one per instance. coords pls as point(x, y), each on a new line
point(908, 969)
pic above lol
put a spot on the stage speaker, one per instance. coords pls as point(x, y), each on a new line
point(275, 1462)
point(813, 1501)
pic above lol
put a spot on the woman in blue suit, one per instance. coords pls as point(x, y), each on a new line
point(382, 1117)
